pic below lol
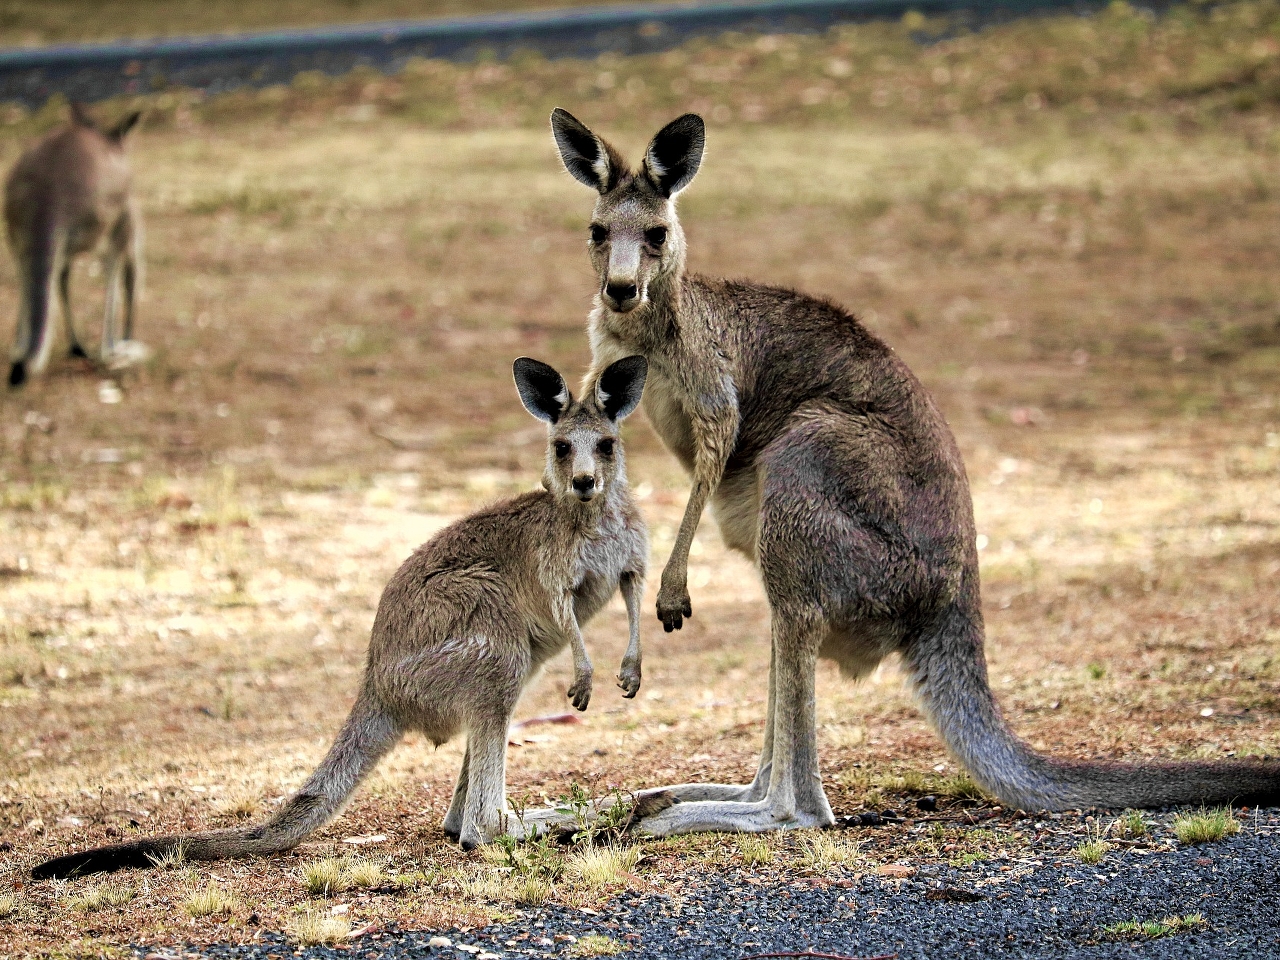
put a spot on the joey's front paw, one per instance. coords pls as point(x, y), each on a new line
point(580, 692)
point(674, 605)
point(629, 678)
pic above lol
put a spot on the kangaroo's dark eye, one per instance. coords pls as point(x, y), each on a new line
point(562, 449)
point(605, 447)
point(598, 233)
point(655, 236)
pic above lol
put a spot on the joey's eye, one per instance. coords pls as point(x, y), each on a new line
point(598, 233)
point(562, 449)
point(655, 236)
point(605, 447)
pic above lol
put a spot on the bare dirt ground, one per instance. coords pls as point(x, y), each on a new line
point(190, 557)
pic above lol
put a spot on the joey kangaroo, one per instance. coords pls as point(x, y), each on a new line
point(827, 464)
point(466, 623)
point(67, 195)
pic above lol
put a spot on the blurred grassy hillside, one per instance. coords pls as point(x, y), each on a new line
point(40, 22)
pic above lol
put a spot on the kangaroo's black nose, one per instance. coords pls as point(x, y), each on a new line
point(621, 292)
point(584, 484)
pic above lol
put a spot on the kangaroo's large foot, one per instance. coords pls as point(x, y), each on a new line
point(693, 792)
point(723, 816)
point(17, 374)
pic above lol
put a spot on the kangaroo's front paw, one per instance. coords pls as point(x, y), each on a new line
point(674, 605)
point(580, 692)
point(629, 678)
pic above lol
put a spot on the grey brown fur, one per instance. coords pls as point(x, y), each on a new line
point(69, 194)
point(466, 623)
point(828, 464)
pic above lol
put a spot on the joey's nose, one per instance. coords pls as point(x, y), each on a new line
point(584, 486)
point(621, 292)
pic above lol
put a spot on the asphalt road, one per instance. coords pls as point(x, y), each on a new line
point(1051, 907)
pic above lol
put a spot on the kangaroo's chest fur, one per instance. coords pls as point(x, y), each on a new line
point(590, 561)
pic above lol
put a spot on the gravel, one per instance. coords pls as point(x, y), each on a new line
point(1053, 906)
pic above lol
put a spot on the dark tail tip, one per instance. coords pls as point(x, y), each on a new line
point(17, 374)
point(101, 860)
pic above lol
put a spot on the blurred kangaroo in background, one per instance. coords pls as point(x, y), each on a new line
point(67, 195)
point(828, 464)
point(464, 625)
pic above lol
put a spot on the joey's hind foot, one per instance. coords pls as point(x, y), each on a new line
point(17, 374)
point(77, 352)
point(629, 678)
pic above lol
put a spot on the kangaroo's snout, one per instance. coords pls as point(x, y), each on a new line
point(621, 296)
point(584, 485)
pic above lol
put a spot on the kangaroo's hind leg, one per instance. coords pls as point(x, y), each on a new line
point(748, 792)
point(64, 304)
point(484, 809)
point(457, 807)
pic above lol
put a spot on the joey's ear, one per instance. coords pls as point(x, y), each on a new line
point(620, 386)
point(674, 154)
point(589, 159)
point(542, 390)
point(124, 125)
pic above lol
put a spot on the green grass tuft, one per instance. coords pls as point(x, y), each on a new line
point(1205, 825)
point(1154, 929)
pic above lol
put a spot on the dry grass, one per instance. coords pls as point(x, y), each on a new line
point(597, 868)
point(317, 928)
point(1090, 296)
point(822, 850)
point(211, 901)
point(8, 905)
point(102, 897)
point(596, 945)
point(240, 804)
point(324, 878)
point(755, 850)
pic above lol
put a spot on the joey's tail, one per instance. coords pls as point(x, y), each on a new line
point(365, 738)
point(951, 678)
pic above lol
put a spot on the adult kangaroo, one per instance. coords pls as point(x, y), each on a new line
point(69, 194)
point(828, 464)
point(465, 624)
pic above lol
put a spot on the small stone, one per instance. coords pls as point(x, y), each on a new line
point(895, 870)
point(928, 804)
point(439, 942)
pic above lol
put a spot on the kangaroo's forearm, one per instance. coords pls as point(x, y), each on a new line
point(716, 430)
point(632, 586)
point(580, 691)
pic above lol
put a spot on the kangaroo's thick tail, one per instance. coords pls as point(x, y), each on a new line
point(36, 256)
point(950, 674)
point(365, 738)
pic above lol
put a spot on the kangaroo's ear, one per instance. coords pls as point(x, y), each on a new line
point(589, 159)
point(675, 153)
point(542, 390)
point(620, 386)
point(124, 125)
point(81, 117)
